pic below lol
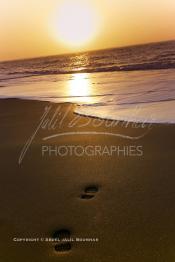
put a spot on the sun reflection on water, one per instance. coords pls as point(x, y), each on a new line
point(80, 88)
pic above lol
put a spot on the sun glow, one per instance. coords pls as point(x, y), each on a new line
point(76, 23)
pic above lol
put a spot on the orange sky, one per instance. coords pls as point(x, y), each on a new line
point(27, 27)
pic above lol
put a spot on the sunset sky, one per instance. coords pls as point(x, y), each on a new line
point(31, 28)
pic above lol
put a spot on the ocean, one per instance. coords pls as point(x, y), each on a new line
point(135, 83)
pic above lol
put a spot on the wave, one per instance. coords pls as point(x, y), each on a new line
point(125, 68)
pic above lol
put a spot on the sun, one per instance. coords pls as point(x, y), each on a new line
point(76, 23)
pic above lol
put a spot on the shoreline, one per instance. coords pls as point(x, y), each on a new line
point(75, 105)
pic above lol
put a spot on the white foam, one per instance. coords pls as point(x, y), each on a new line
point(163, 112)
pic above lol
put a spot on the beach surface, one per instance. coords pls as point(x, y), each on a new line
point(109, 207)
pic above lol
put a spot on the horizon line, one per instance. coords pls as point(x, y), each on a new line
point(85, 51)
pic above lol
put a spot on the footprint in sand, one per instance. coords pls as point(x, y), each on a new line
point(61, 235)
point(89, 192)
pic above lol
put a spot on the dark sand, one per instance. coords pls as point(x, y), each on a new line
point(128, 203)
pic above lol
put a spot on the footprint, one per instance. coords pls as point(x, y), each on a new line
point(91, 189)
point(90, 192)
point(63, 247)
point(84, 196)
point(61, 234)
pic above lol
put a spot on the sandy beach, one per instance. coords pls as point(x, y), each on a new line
point(117, 207)
point(87, 125)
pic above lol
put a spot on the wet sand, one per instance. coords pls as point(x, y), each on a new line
point(124, 201)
